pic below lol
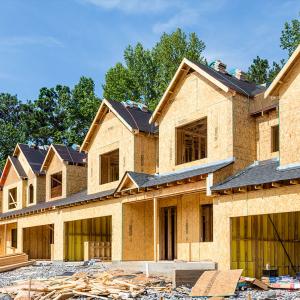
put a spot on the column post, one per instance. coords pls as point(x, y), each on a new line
point(155, 229)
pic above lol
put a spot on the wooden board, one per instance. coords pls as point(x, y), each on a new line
point(216, 283)
point(186, 278)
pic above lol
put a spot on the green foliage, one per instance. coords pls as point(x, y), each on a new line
point(58, 115)
point(146, 73)
point(290, 36)
point(11, 125)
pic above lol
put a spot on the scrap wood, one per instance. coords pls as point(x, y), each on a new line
point(256, 282)
point(217, 283)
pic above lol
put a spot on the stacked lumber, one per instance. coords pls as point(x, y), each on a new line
point(109, 284)
point(14, 261)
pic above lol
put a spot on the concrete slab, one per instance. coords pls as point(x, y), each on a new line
point(165, 268)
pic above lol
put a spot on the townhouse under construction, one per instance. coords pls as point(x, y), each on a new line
point(213, 174)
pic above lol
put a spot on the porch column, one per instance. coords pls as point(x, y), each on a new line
point(19, 238)
point(155, 229)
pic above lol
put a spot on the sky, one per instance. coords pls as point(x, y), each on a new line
point(49, 42)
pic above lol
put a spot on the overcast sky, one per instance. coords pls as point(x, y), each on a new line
point(49, 42)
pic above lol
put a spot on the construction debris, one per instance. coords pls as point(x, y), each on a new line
point(113, 284)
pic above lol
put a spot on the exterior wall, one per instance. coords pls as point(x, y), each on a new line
point(289, 116)
point(112, 135)
point(263, 135)
point(76, 179)
point(197, 98)
point(56, 166)
point(97, 209)
point(276, 200)
point(145, 148)
point(13, 181)
point(244, 144)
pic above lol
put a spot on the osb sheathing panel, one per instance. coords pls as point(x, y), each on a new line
point(138, 231)
point(21, 194)
point(76, 179)
point(289, 115)
point(188, 208)
point(111, 135)
point(244, 144)
point(264, 124)
point(56, 165)
point(267, 201)
point(259, 103)
point(196, 98)
point(93, 210)
point(5, 244)
point(145, 153)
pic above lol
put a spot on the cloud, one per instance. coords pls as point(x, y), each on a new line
point(183, 18)
point(47, 41)
point(135, 6)
point(188, 15)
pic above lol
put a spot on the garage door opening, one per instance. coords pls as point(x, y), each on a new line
point(37, 241)
point(261, 240)
point(96, 231)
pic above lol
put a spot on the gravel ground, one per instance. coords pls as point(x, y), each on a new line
point(48, 269)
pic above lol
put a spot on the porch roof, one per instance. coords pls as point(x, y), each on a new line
point(258, 173)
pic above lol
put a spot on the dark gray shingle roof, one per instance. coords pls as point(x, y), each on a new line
point(243, 87)
point(34, 156)
point(258, 173)
point(73, 199)
point(144, 180)
point(70, 155)
point(18, 166)
point(136, 118)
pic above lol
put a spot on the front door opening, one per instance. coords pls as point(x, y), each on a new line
point(168, 230)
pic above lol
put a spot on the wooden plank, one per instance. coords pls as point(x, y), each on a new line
point(216, 283)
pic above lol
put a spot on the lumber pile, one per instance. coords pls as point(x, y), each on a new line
point(109, 284)
point(14, 261)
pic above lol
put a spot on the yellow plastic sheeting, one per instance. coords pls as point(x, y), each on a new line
point(80, 231)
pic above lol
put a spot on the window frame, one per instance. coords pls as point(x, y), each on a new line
point(109, 176)
point(210, 237)
point(59, 193)
point(15, 203)
point(30, 193)
point(275, 138)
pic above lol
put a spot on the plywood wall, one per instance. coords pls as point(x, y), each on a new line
point(76, 179)
point(196, 98)
point(264, 124)
point(289, 117)
point(138, 231)
point(37, 241)
point(111, 135)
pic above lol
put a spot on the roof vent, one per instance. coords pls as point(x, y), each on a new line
point(240, 75)
point(219, 66)
point(133, 104)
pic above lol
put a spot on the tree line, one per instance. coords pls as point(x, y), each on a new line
point(63, 115)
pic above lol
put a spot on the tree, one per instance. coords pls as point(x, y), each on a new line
point(258, 72)
point(79, 110)
point(11, 126)
point(45, 123)
point(146, 73)
point(290, 36)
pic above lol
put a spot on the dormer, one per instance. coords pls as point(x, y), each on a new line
point(204, 117)
point(22, 182)
point(66, 172)
point(286, 90)
point(120, 139)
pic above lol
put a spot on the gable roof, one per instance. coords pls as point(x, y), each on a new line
point(15, 163)
point(133, 118)
point(260, 172)
point(65, 154)
point(283, 72)
point(34, 156)
point(143, 180)
point(225, 82)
